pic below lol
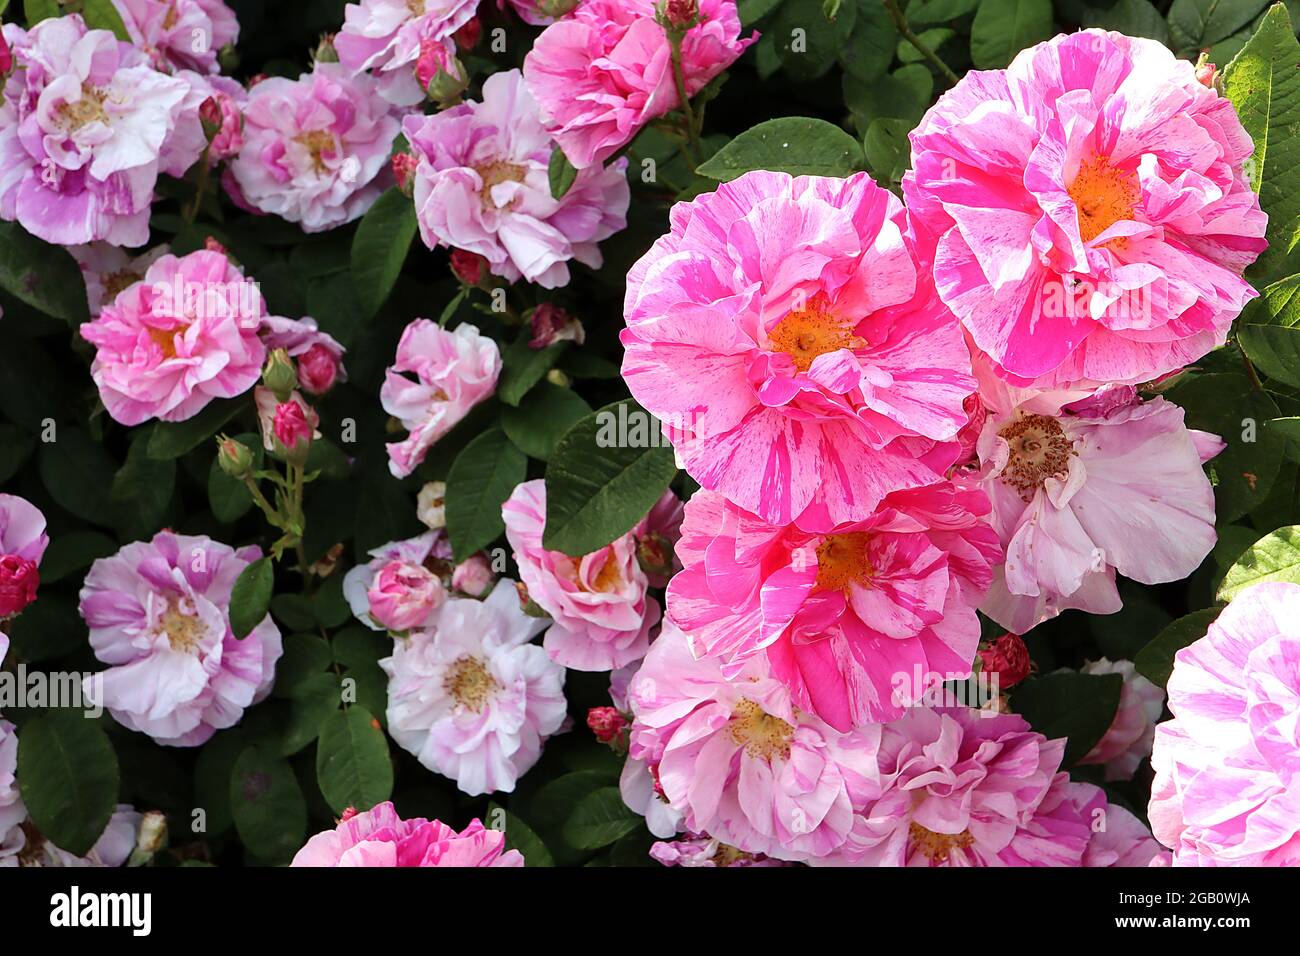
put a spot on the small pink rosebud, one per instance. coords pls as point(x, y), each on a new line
point(318, 369)
point(552, 324)
point(438, 71)
point(348, 814)
point(404, 165)
point(19, 581)
point(469, 267)
point(255, 79)
point(607, 724)
point(223, 124)
point(681, 14)
point(403, 595)
point(467, 37)
point(473, 576)
point(291, 425)
point(1008, 657)
point(1206, 72)
point(212, 245)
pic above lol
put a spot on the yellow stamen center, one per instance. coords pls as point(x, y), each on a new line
point(1039, 449)
point(609, 577)
point(842, 561)
point(729, 855)
point(938, 846)
point(762, 735)
point(470, 684)
point(117, 282)
point(1103, 195)
point(811, 331)
point(416, 7)
point(184, 631)
point(88, 109)
point(493, 174)
point(165, 339)
point(317, 143)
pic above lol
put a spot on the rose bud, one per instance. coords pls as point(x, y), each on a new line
point(1008, 658)
point(318, 369)
point(551, 324)
point(473, 576)
point(404, 595)
point(234, 457)
point(469, 267)
point(608, 725)
point(19, 581)
point(404, 165)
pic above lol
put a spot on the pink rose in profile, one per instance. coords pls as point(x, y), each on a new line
point(483, 185)
point(404, 595)
point(1078, 497)
point(785, 334)
point(1227, 785)
point(603, 73)
point(22, 545)
point(109, 270)
point(158, 614)
point(603, 615)
point(316, 149)
point(431, 551)
point(453, 372)
point(222, 116)
point(319, 355)
point(1127, 742)
point(180, 34)
point(1089, 210)
point(742, 762)
point(1118, 838)
point(85, 126)
point(379, 837)
point(471, 697)
point(184, 335)
point(285, 425)
point(859, 619)
point(474, 576)
point(384, 37)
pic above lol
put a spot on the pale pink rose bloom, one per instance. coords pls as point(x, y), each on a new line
point(109, 270)
point(637, 783)
point(704, 851)
point(316, 149)
point(112, 849)
point(604, 72)
point(86, 126)
point(384, 37)
point(184, 335)
point(787, 337)
point(599, 602)
point(380, 838)
point(1227, 786)
point(1089, 210)
point(741, 762)
point(474, 576)
point(483, 185)
point(453, 372)
point(158, 614)
point(1128, 741)
point(405, 595)
point(431, 550)
point(180, 34)
point(1078, 497)
point(319, 354)
point(856, 619)
point(1118, 838)
point(12, 811)
point(966, 788)
point(471, 698)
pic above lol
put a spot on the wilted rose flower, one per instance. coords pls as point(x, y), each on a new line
point(551, 324)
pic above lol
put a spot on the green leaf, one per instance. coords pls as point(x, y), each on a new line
point(102, 15)
point(1080, 707)
point(1135, 18)
point(545, 414)
point(1274, 557)
point(924, 12)
point(250, 600)
point(46, 277)
point(1196, 24)
point(142, 491)
point(903, 94)
point(931, 39)
point(379, 249)
point(519, 836)
point(38, 10)
point(74, 551)
point(751, 11)
point(68, 776)
point(173, 439)
point(299, 720)
point(212, 775)
point(1263, 83)
point(888, 150)
point(49, 628)
point(481, 479)
point(871, 46)
point(268, 806)
point(605, 474)
point(352, 763)
point(808, 42)
point(800, 146)
point(305, 656)
point(1002, 28)
point(229, 498)
point(1269, 331)
point(600, 818)
point(16, 446)
point(562, 174)
point(1155, 662)
point(78, 474)
point(522, 367)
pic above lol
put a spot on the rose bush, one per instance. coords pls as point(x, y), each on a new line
point(654, 432)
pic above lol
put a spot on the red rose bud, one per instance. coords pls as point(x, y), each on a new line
point(404, 169)
point(291, 425)
point(552, 324)
point(1008, 658)
point(255, 79)
point(19, 580)
point(318, 370)
point(469, 267)
point(608, 725)
point(210, 115)
point(438, 71)
point(467, 37)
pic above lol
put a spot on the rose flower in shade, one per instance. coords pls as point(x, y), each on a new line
point(1084, 490)
point(856, 619)
point(1227, 786)
point(470, 697)
point(1089, 210)
point(741, 762)
point(180, 34)
point(158, 614)
point(483, 186)
point(453, 372)
point(606, 71)
point(385, 37)
point(785, 334)
point(175, 341)
point(430, 551)
point(602, 613)
point(1127, 742)
point(379, 837)
point(85, 122)
point(109, 270)
point(314, 148)
point(405, 595)
point(22, 545)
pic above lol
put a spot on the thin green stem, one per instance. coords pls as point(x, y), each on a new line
point(679, 77)
point(900, 22)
